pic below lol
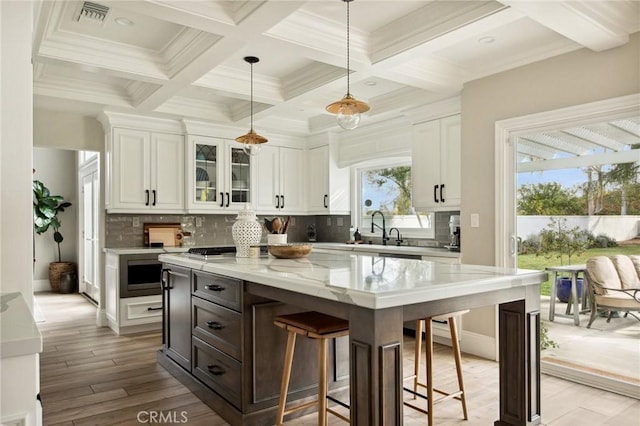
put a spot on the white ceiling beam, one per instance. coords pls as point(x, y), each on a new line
point(580, 162)
point(584, 22)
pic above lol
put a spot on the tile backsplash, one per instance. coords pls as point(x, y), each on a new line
point(126, 230)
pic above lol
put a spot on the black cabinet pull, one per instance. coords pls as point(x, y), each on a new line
point(282, 206)
point(154, 309)
point(325, 200)
point(435, 196)
point(154, 197)
point(146, 192)
point(227, 200)
point(441, 197)
point(277, 201)
point(222, 199)
point(214, 287)
point(215, 325)
point(216, 370)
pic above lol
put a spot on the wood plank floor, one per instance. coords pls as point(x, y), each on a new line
point(91, 376)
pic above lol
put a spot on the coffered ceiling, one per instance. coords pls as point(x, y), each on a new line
point(183, 58)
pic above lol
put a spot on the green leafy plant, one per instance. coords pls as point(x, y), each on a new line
point(545, 340)
point(45, 212)
point(557, 240)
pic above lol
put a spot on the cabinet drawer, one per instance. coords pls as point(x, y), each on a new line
point(218, 289)
point(135, 310)
point(218, 326)
point(218, 371)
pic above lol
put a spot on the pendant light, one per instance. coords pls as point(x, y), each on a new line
point(348, 109)
point(251, 141)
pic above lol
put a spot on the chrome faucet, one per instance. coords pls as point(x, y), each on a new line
point(399, 237)
point(384, 230)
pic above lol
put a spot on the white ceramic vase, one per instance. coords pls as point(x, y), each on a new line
point(246, 232)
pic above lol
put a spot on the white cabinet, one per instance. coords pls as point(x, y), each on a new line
point(328, 185)
point(436, 164)
point(280, 187)
point(147, 172)
point(127, 315)
point(219, 175)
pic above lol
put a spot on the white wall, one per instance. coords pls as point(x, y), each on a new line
point(56, 168)
point(16, 106)
point(67, 130)
point(621, 228)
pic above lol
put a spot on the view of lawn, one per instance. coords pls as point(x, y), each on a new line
point(531, 261)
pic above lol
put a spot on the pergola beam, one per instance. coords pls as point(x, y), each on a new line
point(631, 156)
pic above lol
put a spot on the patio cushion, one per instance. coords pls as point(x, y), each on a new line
point(602, 273)
point(618, 300)
point(635, 259)
point(626, 271)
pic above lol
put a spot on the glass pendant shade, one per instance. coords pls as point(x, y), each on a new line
point(251, 141)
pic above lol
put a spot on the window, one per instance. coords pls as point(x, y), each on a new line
point(387, 188)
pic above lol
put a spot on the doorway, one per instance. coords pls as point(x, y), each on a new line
point(506, 152)
point(89, 182)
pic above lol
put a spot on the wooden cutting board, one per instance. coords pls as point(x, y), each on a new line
point(169, 234)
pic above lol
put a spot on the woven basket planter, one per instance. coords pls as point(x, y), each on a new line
point(55, 270)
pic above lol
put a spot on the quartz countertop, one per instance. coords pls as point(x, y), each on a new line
point(19, 333)
point(362, 279)
point(388, 249)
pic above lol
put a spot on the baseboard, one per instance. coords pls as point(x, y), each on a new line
point(41, 285)
point(479, 345)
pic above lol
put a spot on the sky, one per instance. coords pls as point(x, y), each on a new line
point(567, 178)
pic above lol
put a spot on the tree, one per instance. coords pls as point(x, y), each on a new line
point(547, 199)
point(401, 178)
point(558, 240)
point(45, 212)
point(624, 175)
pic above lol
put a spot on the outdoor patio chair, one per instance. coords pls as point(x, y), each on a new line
point(613, 285)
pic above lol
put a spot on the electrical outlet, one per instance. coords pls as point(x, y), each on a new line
point(198, 222)
point(136, 222)
point(328, 221)
point(340, 221)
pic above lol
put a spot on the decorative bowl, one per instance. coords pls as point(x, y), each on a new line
point(289, 251)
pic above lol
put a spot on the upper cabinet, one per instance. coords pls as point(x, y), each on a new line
point(147, 171)
point(219, 175)
point(436, 164)
point(280, 187)
point(329, 185)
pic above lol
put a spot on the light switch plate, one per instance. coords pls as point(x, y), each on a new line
point(198, 222)
point(136, 222)
point(339, 221)
point(475, 220)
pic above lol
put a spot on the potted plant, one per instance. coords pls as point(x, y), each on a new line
point(45, 215)
point(557, 240)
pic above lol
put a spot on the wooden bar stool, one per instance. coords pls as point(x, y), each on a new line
point(431, 401)
point(313, 325)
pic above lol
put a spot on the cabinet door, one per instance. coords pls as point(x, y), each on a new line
point(291, 180)
point(238, 176)
point(450, 155)
point(205, 175)
point(318, 179)
point(131, 169)
point(167, 171)
point(267, 166)
point(177, 312)
point(425, 167)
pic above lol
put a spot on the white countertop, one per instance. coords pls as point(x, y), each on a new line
point(389, 249)
point(19, 333)
point(364, 280)
point(143, 250)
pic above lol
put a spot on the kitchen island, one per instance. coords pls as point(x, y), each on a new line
point(376, 295)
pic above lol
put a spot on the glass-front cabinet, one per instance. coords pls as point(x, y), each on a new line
point(220, 173)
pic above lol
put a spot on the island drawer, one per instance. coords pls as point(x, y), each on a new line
point(218, 326)
point(220, 372)
point(218, 289)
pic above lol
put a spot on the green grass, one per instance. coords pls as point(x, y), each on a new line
point(531, 261)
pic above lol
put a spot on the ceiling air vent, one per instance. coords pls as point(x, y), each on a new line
point(92, 12)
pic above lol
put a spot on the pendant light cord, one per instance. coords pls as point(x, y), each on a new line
point(251, 103)
point(348, 71)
